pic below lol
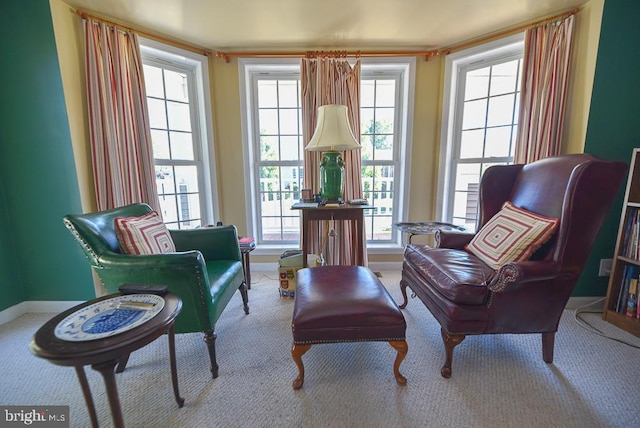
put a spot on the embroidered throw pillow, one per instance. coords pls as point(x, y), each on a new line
point(512, 235)
point(146, 234)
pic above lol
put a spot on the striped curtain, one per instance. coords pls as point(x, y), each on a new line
point(547, 54)
point(332, 81)
point(121, 149)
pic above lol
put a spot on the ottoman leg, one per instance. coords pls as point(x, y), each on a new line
point(402, 348)
point(297, 351)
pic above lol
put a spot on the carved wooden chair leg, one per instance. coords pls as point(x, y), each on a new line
point(245, 296)
point(403, 289)
point(210, 340)
point(297, 351)
point(122, 364)
point(402, 348)
point(548, 340)
point(450, 342)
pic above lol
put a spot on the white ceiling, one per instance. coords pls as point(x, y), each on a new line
point(323, 24)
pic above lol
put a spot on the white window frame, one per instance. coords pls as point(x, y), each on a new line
point(405, 67)
point(403, 71)
point(156, 53)
point(247, 68)
point(452, 103)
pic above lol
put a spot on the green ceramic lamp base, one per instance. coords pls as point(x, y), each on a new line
point(331, 176)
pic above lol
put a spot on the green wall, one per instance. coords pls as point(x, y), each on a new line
point(10, 290)
point(38, 184)
point(614, 118)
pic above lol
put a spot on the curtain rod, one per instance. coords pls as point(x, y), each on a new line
point(175, 43)
point(300, 54)
point(508, 32)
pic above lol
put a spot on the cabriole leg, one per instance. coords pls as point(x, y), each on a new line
point(450, 342)
point(297, 351)
point(402, 348)
point(403, 289)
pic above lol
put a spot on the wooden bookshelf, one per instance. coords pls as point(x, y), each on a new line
point(626, 257)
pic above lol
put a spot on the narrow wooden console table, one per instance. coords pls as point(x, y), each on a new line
point(346, 212)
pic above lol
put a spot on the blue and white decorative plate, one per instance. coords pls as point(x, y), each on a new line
point(109, 317)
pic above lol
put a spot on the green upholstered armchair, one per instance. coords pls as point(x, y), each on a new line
point(205, 271)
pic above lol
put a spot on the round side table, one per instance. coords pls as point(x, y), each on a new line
point(105, 354)
point(426, 228)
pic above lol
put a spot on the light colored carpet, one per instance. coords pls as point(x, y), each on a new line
point(497, 380)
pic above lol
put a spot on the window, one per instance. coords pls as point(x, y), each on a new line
point(279, 155)
point(175, 83)
point(480, 118)
point(275, 149)
point(378, 101)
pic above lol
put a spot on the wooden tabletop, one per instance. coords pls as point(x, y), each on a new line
point(46, 345)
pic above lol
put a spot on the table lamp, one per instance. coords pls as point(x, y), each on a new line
point(332, 136)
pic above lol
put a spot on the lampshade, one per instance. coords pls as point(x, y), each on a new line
point(332, 130)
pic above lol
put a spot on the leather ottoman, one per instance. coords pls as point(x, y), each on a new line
point(344, 304)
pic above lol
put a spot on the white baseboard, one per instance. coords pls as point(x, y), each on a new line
point(375, 266)
point(594, 303)
point(13, 312)
point(39, 306)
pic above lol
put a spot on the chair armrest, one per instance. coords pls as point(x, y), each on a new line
point(215, 243)
point(183, 270)
point(184, 273)
point(151, 261)
point(512, 275)
point(453, 240)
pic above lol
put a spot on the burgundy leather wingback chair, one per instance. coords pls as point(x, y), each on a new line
point(468, 297)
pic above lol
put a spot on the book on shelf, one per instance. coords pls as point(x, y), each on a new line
point(632, 299)
point(621, 290)
point(626, 246)
point(630, 272)
point(632, 235)
point(627, 233)
point(631, 245)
